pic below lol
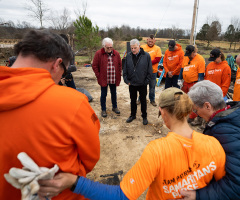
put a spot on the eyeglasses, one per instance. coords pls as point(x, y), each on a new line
point(64, 68)
point(108, 47)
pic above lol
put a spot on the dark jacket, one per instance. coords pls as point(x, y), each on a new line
point(225, 126)
point(99, 66)
point(139, 74)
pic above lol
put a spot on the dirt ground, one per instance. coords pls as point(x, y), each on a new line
point(121, 143)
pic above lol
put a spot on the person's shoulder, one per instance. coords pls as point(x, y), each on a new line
point(156, 47)
point(200, 57)
point(67, 94)
point(116, 52)
point(100, 51)
point(207, 140)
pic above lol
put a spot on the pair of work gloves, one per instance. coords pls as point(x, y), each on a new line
point(26, 179)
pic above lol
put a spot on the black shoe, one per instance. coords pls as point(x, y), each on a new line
point(130, 119)
point(116, 110)
point(145, 121)
point(104, 113)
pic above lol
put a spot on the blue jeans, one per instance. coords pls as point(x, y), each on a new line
point(104, 95)
point(152, 85)
point(171, 82)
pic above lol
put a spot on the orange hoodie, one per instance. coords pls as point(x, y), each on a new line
point(219, 73)
point(172, 60)
point(51, 123)
point(236, 93)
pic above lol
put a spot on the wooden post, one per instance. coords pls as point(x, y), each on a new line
point(193, 22)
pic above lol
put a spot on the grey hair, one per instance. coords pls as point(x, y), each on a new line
point(107, 40)
point(134, 41)
point(207, 91)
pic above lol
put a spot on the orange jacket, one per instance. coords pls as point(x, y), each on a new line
point(172, 60)
point(172, 163)
point(236, 92)
point(155, 52)
point(219, 73)
point(51, 123)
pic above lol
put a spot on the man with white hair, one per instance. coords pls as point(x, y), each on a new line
point(137, 74)
point(223, 124)
point(107, 66)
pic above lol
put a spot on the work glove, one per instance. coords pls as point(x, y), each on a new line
point(180, 83)
point(26, 179)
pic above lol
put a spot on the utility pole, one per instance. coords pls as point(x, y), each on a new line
point(193, 21)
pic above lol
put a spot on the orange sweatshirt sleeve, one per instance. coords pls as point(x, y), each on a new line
point(179, 66)
point(165, 62)
point(226, 80)
point(141, 175)
point(85, 133)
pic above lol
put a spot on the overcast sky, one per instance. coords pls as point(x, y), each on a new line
point(142, 13)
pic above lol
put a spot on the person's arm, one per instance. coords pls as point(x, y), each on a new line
point(201, 68)
point(180, 77)
point(226, 80)
point(149, 70)
point(95, 64)
point(165, 66)
point(156, 60)
point(200, 76)
point(125, 73)
point(80, 185)
point(179, 65)
point(85, 135)
point(98, 191)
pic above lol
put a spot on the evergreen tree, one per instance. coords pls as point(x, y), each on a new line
point(87, 35)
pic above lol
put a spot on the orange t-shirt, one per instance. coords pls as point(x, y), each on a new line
point(154, 52)
point(219, 73)
point(172, 60)
point(192, 69)
point(236, 92)
point(173, 163)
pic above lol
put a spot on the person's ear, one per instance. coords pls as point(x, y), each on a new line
point(56, 65)
point(207, 105)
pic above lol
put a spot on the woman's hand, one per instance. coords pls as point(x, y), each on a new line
point(52, 187)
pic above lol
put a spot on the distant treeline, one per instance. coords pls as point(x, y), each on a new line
point(124, 32)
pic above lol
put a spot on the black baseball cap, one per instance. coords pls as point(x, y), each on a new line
point(189, 50)
point(214, 54)
point(171, 45)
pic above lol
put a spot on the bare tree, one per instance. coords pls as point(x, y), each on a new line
point(61, 21)
point(37, 10)
point(81, 12)
point(235, 21)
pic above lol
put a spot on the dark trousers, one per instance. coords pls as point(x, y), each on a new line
point(70, 83)
point(133, 96)
point(171, 82)
point(104, 95)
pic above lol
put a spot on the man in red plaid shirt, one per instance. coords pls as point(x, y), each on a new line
point(107, 66)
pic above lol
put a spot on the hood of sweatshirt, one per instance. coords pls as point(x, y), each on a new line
point(20, 86)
